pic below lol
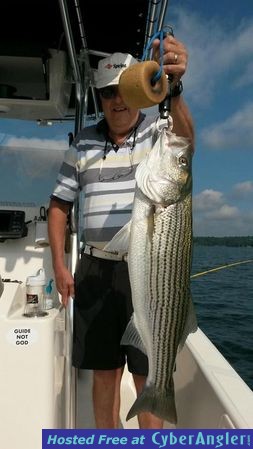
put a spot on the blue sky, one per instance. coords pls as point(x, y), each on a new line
point(218, 88)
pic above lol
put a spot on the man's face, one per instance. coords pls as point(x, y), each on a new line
point(119, 117)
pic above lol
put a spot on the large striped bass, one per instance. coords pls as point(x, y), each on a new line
point(159, 261)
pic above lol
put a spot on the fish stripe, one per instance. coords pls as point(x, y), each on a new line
point(169, 279)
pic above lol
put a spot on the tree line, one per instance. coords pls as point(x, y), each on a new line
point(224, 241)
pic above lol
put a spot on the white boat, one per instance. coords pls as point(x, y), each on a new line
point(39, 389)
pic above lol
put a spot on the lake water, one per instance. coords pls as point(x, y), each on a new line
point(224, 303)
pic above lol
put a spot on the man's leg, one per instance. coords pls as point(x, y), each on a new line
point(146, 420)
point(106, 397)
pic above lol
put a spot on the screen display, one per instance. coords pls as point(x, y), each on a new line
point(5, 219)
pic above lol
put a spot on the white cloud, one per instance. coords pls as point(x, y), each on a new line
point(239, 225)
point(215, 50)
point(245, 78)
point(242, 190)
point(220, 65)
point(32, 143)
point(213, 215)
point(224, 212)
point(207, 200)
point(235, 132)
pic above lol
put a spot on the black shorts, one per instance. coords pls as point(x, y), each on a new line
point(102, 310)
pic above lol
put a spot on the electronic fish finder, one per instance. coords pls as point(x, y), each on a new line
point(12, 224)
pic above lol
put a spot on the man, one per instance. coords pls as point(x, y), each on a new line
point(101, 164)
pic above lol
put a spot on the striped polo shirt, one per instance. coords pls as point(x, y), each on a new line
point(103, 175)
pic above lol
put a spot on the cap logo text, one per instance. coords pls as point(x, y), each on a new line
point(115, 66)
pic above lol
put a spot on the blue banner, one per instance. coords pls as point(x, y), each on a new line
point(147, 439)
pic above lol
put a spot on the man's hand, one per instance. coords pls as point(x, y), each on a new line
point(64, 283)
point(174, 58)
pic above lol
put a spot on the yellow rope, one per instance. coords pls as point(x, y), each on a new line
point(221, 268)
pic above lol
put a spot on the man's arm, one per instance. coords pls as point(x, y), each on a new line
point(57, 221)
point(175, 60)
point(182, 119)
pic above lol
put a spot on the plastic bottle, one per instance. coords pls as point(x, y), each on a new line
point(35, 295)
point(49, 300)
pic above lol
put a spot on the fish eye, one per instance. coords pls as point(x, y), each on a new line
point(183, 161)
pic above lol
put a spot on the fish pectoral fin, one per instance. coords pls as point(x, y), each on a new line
point(191, 324)
point(120, 242)
point(160, 404)
point(132, 337)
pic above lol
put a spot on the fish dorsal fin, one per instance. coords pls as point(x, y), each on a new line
point(120, 242)
point(132, 337)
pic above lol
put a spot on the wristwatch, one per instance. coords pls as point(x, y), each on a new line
point(177, 89)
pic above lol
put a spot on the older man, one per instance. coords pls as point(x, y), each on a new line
point(101, 164)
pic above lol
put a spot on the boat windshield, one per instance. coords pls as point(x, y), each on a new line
point(28, 175)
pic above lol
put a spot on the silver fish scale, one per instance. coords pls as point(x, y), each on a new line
point(169, 288)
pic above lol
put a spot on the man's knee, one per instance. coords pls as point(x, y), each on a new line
point(107, 376)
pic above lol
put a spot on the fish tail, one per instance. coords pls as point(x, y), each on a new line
point(156, 402)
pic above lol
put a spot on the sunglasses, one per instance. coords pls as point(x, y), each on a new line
point(109, 92)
